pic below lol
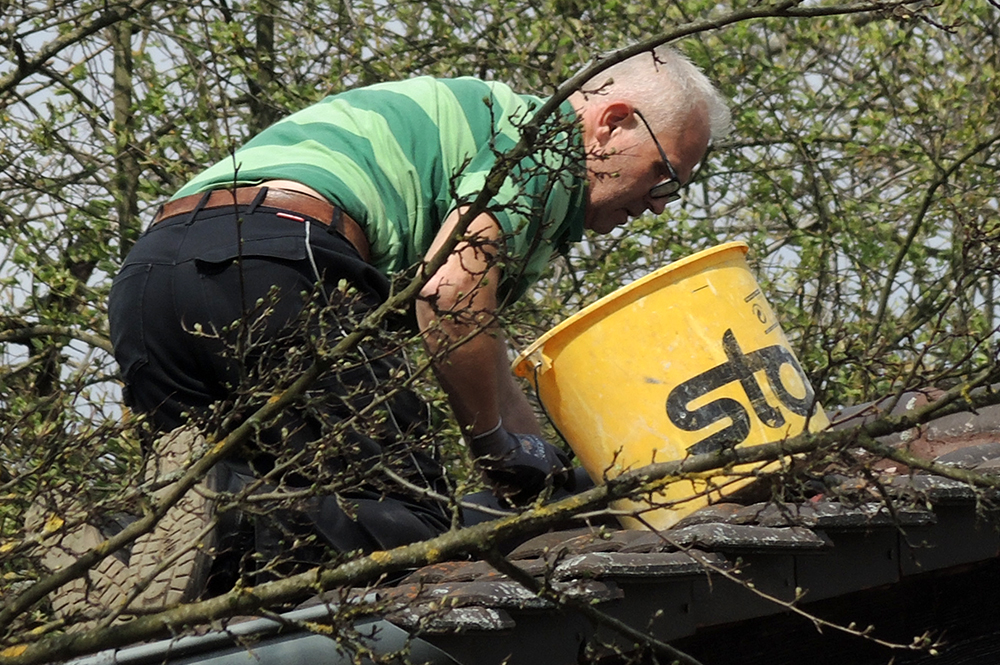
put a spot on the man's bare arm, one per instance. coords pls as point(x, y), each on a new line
point(459, 303)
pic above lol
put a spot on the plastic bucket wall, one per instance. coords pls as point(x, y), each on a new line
point(686, 360)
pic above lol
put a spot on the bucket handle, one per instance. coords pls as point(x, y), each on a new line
point(533, 365)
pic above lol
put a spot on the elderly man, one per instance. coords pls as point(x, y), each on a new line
point(355, 189)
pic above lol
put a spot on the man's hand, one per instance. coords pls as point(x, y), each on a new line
point(521, 466)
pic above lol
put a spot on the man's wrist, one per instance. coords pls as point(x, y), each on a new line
point(493, 430)
point(494, 443)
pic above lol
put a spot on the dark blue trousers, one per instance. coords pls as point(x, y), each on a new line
point(208, 310)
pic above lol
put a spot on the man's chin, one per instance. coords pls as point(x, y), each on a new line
point(606, 225)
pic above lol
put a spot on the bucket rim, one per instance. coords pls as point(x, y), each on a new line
point(588, 311)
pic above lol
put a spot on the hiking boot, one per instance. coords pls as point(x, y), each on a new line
point(182, 542)
point(170, 563)
point(101, 587)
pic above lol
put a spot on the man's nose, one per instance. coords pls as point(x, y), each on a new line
point(657, 206)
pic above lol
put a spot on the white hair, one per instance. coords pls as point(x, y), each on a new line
point(666, 86)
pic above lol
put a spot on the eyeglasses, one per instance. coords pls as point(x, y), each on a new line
point(669, 188)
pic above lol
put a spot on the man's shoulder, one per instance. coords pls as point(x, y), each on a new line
point(460, 87)
point(419, 84)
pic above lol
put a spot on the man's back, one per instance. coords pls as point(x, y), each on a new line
point(396, 155)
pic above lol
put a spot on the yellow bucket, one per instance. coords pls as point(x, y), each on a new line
point(686, 360)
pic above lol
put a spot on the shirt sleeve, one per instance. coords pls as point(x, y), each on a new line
point(540, 205)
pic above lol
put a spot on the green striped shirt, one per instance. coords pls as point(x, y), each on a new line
point(399, 157)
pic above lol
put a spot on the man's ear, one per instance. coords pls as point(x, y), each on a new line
point(612, 116)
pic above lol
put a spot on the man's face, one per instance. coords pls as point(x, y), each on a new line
point(623, 164)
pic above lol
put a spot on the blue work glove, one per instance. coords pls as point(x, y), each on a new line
point(520, 466)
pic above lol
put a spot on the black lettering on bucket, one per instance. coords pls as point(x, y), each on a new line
point(740, 367)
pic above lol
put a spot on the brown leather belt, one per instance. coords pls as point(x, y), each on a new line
point(296, 203)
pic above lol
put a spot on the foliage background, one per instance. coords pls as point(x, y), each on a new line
point(862, 169)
